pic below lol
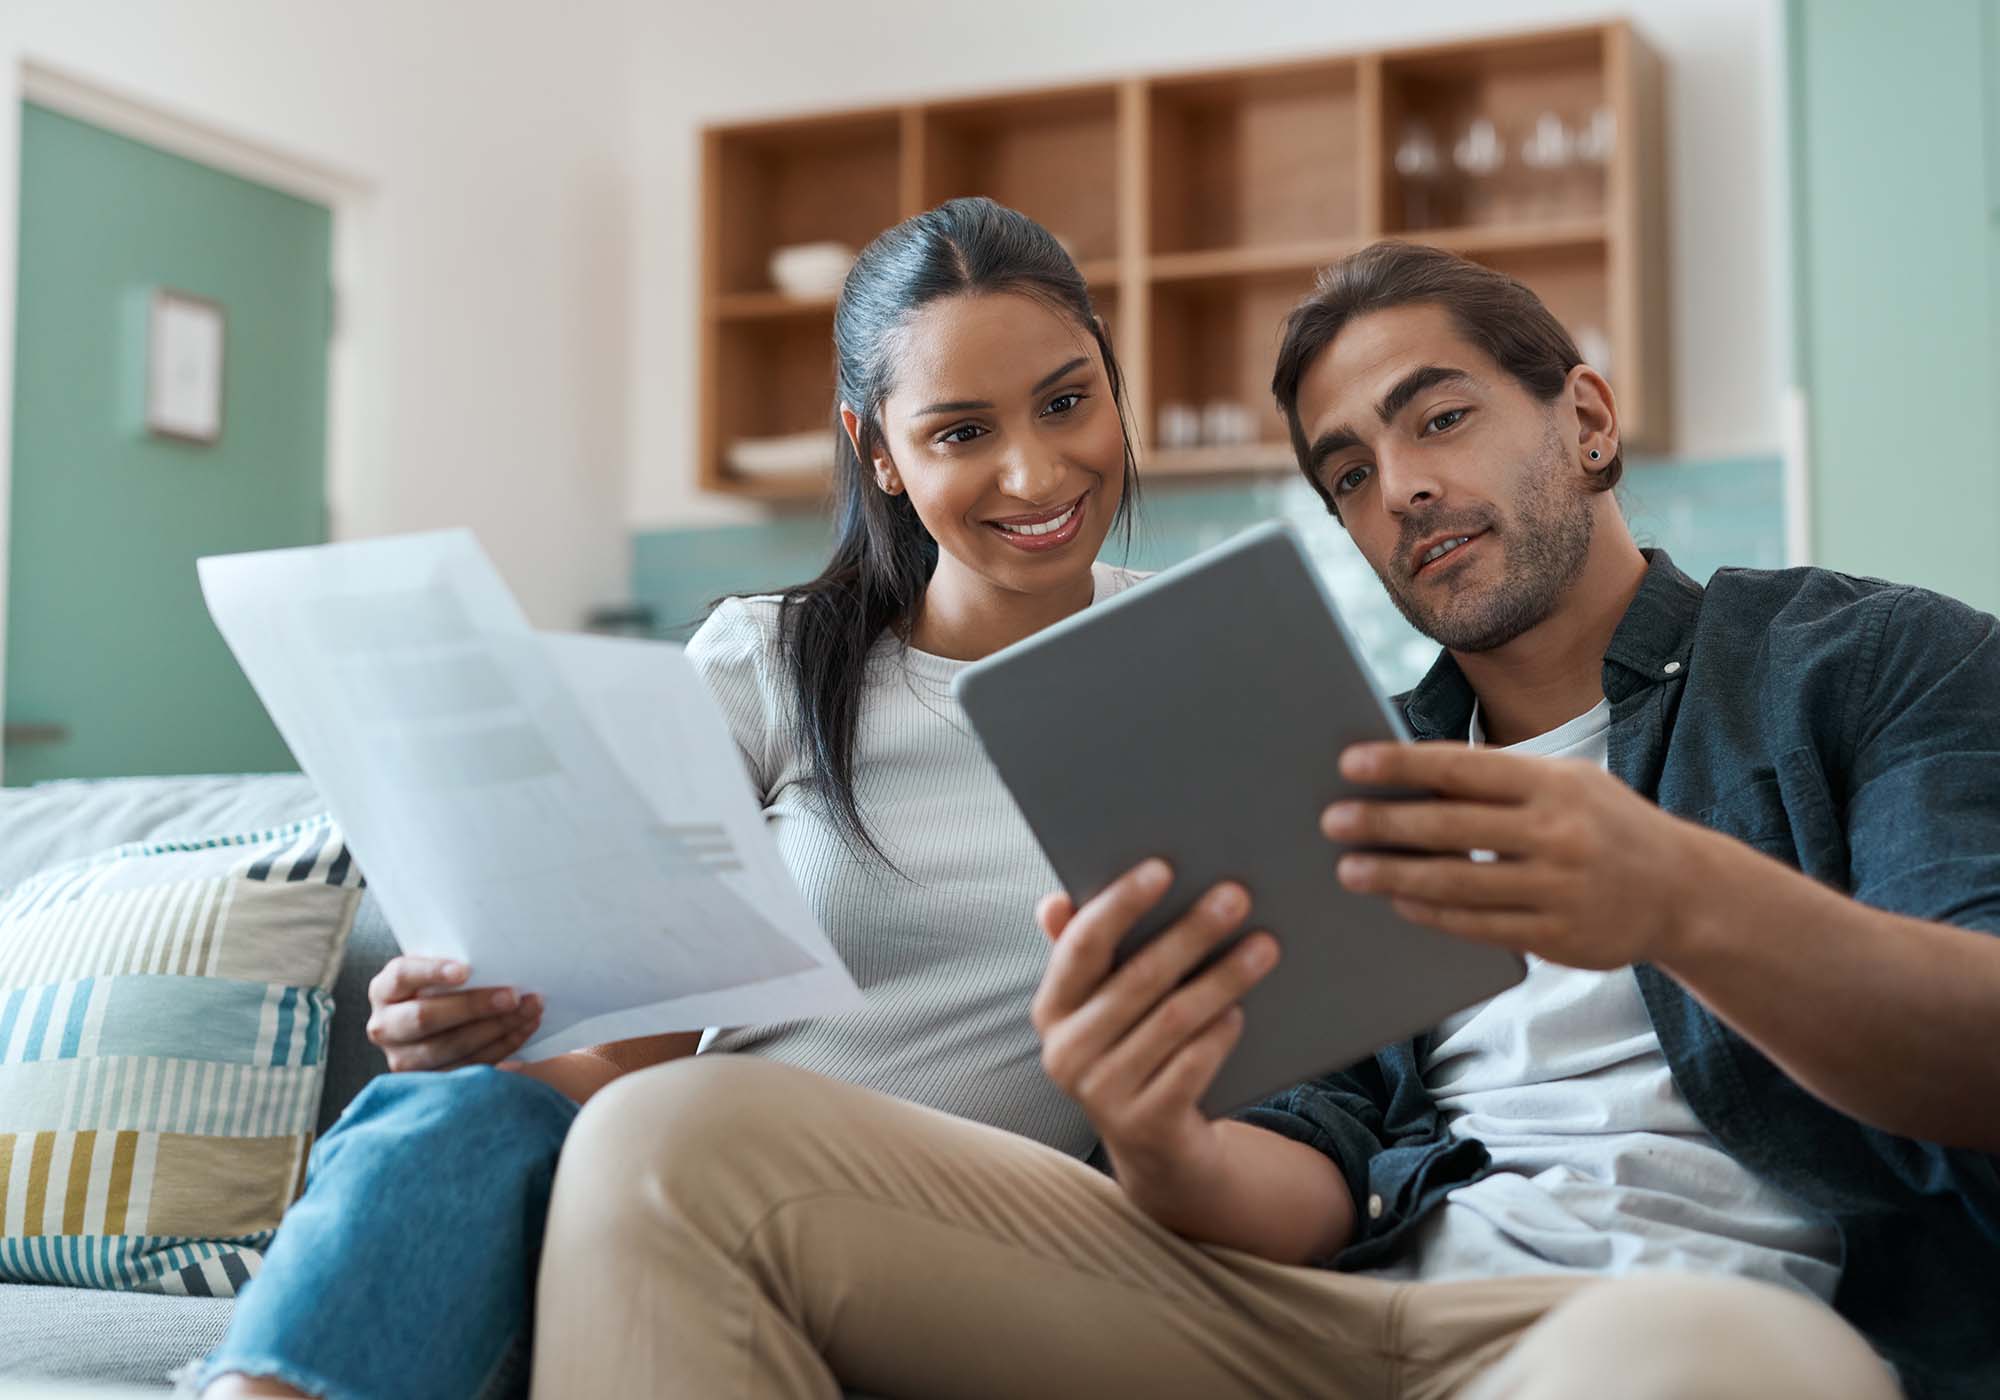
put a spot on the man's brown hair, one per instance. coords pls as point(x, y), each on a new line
point(1491, 310)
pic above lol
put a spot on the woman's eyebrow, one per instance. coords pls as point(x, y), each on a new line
point(1053, 375)
point(968, 405)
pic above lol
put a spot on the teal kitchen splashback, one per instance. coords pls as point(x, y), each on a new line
point(1706, 514)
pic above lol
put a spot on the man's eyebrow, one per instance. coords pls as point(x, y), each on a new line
point(969, 405)
point(1413, 384)
point(1393, 403)
point(1324, 446)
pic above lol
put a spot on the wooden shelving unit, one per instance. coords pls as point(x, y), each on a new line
point(1199, 207)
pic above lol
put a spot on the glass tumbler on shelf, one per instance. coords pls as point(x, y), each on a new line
point(1548, 151)
point(1596, 142)
point(1420, 168)
point(1180, 426)
point(1478, 156)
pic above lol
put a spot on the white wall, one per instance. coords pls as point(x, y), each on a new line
point(488, 309)
point(751, 57)
point(522, 320)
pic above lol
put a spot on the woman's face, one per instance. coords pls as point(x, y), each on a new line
point(1002, 429)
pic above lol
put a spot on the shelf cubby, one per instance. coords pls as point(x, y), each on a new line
point(1200, 207)
point(1215, 339)
point(1053, 156)
point(1510, 84)
point(831, 180)
point(1254, 159)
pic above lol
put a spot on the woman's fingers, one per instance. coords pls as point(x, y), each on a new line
point(465, 1044)
point(519, 1030)
point(404, 976)
point(420, 1018)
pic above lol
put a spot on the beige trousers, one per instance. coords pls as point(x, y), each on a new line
point(728, 1227)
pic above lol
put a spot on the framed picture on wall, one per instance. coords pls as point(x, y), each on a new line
point(184, 345)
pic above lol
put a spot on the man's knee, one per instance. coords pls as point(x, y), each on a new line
point(680, 1135)
point(1671, 1337)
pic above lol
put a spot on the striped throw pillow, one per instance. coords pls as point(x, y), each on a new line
point(164, 1010)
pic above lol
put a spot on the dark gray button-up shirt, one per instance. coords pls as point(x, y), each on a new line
point(1850, 728)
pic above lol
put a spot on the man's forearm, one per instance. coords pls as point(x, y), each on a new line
point(1885, 1017)
point(1260, 1192)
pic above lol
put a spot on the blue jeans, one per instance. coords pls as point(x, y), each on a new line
point(407, 1269)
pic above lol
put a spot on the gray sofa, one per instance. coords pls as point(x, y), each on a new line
point(85, 1335)
point(79, 1335)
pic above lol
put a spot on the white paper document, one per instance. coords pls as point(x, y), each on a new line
point(569, 815)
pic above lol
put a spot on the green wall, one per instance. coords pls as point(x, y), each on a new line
point(106, 632)
point(1896, 183)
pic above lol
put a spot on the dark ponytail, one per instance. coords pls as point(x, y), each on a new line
point(883, 556)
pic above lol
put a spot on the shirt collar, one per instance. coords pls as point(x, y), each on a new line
point(1650, 647)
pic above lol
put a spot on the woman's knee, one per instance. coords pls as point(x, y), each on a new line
point(410, 1117)
point(1669, 1336)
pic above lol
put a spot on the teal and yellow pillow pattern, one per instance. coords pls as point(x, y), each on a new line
point(164, 1011)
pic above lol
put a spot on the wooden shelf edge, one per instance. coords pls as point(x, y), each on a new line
point(791, 486)
point(1258, 458)
point(1219, 263)
point(1512, 238)
point(768, 306)
point(1249, 262)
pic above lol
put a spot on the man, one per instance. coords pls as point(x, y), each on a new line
point(1735, 1134)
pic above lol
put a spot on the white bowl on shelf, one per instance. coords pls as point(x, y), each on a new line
point(789, 455)
point(810, 269)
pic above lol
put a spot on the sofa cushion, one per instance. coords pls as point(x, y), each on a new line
point(163, 1018)
point(51, 823)
point(74, 1334)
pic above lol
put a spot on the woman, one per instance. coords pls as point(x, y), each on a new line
point(982, 459)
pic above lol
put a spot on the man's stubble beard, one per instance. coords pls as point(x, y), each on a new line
point(1545, 550)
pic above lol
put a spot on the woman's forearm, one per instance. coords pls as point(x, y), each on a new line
point(581, 1073)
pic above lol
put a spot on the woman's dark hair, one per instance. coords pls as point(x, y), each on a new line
point(883, 556)
point(1492, 310)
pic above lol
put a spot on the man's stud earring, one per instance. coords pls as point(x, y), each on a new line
point(1595, 454)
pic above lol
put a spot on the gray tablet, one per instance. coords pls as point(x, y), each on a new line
point(1200, 716)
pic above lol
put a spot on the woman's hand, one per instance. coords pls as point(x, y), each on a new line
point(1137, 1046)
point(422, 1020)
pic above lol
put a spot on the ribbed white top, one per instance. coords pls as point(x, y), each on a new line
point(946, 951)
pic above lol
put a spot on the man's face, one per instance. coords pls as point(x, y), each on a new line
point(1455, 481)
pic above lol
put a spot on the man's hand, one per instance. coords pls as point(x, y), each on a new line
point(1138, 1046)
point(1589, 874)
point(1134, 1046)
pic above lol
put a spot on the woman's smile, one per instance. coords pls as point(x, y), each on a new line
point(1051, 529)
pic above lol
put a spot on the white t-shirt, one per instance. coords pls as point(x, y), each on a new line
point(1601, 1165)
point(946, 951)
